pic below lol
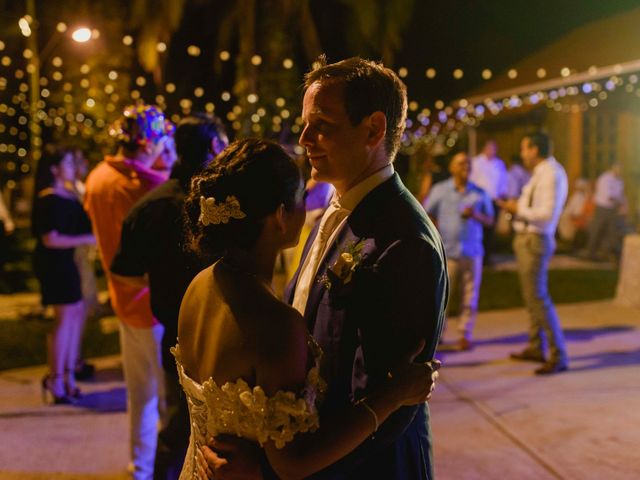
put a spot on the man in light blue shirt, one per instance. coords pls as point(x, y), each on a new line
point(461, 209)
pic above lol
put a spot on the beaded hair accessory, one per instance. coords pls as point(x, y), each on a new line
point(212, 213)
point(142, 124)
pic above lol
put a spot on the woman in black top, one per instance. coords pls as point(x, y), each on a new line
point(60, 224)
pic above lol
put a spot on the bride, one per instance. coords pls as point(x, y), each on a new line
point(246, 361)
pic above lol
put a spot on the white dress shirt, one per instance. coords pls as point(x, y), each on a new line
point(330, 225)
point(490, 174)
point(609, 190)
point(542, 199)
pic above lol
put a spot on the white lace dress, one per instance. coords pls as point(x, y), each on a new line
point(237, 409)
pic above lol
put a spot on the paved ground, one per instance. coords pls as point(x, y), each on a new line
point(492, 419)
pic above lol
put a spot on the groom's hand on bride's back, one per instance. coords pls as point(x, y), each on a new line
point(229, 458)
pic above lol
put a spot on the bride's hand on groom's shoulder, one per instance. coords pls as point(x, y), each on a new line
point(414, 383)
point(229, 458)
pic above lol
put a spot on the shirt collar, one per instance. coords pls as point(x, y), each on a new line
point(540, 166)
point(351, 198)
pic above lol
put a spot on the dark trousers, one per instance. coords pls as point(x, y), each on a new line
point(173, 439)
point(488, 236)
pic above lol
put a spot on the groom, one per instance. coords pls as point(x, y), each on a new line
point(372, 280)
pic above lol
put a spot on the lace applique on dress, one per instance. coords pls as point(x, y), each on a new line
point(236, 408)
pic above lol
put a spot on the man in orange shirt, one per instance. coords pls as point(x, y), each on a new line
point(112, 188)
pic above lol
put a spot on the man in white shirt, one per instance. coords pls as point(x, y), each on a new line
point(609, 197)
point(536, 214)
point(489, 172)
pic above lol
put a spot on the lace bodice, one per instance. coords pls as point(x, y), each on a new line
point(235, 408)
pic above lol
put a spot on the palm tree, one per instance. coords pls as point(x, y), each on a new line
point(156, 21)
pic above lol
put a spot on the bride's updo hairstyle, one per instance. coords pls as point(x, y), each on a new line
point(259, 175)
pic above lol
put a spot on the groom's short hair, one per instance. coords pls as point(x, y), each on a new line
point(369, 87)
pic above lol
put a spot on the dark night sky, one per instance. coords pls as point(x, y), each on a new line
point(443, 34)
point(473, 35)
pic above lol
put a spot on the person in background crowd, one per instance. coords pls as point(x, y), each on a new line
point(536, 214)
point(167, 158)
point(60, 224)
point(488, 172)
point(461, 210)
point(113, 187)
point(85, 258)
point(7, 228)
point(152, 252)
point(517, 177)
point(577, 214)
point(603, 239)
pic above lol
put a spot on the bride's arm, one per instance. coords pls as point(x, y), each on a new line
point(341, 431)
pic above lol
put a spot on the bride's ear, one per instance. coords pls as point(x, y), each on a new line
point(281, 218)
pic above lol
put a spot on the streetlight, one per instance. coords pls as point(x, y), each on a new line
point(81, 35)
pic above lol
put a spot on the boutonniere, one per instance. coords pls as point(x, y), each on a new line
point(345, 265)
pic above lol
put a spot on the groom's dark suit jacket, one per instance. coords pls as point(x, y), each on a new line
point(365, 326)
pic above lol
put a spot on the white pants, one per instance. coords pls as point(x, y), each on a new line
point(465, 276)
point(144, 378)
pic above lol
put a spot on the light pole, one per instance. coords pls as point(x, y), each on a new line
point(29, 28)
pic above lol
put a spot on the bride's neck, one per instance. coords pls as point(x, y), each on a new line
point(257, 262)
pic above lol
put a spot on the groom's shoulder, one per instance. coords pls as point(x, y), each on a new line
point(404, 217)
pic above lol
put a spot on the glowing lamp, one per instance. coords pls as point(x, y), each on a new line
point(81, 35)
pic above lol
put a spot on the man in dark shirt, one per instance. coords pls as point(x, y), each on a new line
point(152, 252)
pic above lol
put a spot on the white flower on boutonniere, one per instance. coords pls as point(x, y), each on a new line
point(345, 265)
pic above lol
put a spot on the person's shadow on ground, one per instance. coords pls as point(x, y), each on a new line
point(599, 360)
point(611, 359)
point(571, 335)
point(106, 401)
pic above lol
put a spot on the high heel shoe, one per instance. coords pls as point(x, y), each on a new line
point(46, 387)
point(72, 392)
